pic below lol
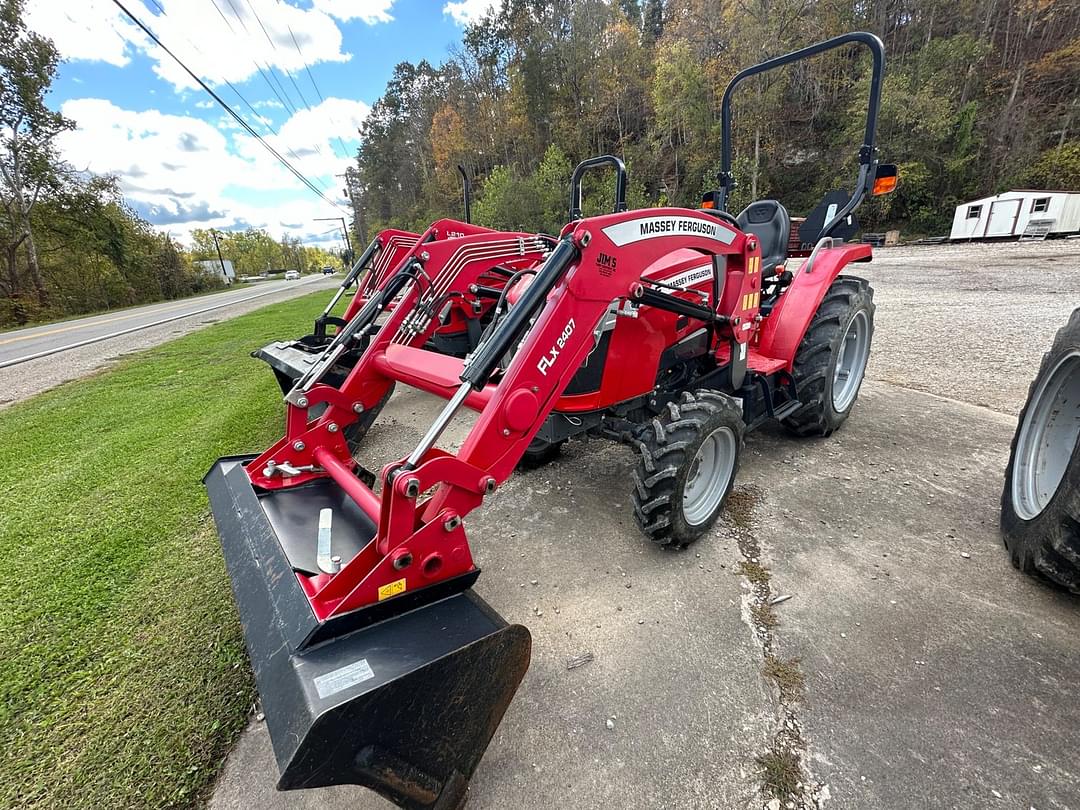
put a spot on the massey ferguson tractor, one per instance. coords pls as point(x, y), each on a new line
point(672, 330)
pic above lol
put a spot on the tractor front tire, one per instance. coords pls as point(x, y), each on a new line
point(831, 360)
point(540, 453)
point(355, 433)
point(1040, 505)
point(689, 455)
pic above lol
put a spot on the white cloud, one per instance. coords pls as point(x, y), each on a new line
point(206, 104)
point(184, 173)
point(268, 104)
point(370, 11)
point(467, 12)
point(218, 39)
point(84, 29)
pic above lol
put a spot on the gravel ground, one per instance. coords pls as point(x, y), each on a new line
point(34, 376)
point(970, 322)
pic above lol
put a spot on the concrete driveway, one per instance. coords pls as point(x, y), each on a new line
point(911, 665)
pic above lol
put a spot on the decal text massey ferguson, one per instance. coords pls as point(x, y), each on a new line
point(688, 278)
point(635, 230)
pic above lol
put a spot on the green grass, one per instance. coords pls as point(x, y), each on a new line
point(123, 677)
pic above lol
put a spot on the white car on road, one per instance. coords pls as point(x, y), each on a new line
point(292, 275)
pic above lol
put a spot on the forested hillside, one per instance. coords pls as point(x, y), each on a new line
point(980, 96)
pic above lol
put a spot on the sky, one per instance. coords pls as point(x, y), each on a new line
point(309, 69)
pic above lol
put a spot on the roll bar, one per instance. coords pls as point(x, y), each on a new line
point(466, 192)
point(595, 163)
point(867, 152)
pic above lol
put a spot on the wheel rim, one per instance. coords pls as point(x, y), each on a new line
point(851, 362)
point(710, 474)
point(1047, 438)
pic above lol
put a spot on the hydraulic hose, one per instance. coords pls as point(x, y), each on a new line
point(510, 329)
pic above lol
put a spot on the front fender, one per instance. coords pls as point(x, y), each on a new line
point(785, 327)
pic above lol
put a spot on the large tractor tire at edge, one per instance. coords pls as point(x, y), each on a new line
point(831, 360)
point(1040, 505)
point(689, 455)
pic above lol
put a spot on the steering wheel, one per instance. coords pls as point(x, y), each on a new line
point(723, 216)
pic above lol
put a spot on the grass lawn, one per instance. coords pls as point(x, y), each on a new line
point(123, 677)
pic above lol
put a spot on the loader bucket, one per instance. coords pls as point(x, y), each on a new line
point(402, 697)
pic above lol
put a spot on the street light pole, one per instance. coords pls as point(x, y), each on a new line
point(344, 228)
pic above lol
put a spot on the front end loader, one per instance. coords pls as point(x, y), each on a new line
point(392, 250)
point(673, 331)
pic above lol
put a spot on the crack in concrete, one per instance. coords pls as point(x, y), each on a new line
point(786, 781)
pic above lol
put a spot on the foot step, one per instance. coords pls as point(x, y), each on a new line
point(787, 409)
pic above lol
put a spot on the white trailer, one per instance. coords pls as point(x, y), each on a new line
point(1014, 213)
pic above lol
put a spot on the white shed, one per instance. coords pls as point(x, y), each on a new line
point(1011, 213)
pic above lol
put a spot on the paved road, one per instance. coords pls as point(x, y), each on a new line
point(932, 679)
point(72, 356)
point(24, 345)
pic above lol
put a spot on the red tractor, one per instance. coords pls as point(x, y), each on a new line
point(672, 330)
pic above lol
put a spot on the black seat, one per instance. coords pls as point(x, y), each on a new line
point(768, 220)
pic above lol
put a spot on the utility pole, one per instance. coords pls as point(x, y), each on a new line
point(224, 275)
point(348, 255)
point(355, 193)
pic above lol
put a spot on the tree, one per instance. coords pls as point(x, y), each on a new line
point(654, 20)
point(977, 97)
point(28, 162)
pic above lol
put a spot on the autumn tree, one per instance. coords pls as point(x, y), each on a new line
point(29, 165)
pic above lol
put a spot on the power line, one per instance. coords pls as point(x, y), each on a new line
point(287, 104)
point(285, 70)
point(258, 116)
point(239, 18)
point(236, 116)
point(311, 78)
point(273, 46)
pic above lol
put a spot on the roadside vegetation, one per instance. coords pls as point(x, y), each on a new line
point(123, 676)
point(69, 242)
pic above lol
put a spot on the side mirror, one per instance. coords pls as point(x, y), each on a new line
point(885, 179)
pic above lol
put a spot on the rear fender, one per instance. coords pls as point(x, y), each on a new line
point(785, 327)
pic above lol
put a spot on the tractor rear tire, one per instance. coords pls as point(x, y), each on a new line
point(689, 455)
point(354, 433)
point(1040, 504)
point(831, 360)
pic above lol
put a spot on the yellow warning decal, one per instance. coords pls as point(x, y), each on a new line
point(751, 300)
point(391, 589)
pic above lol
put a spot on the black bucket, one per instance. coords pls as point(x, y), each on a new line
point(402, 698)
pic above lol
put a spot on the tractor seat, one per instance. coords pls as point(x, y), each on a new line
point(768, 220)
